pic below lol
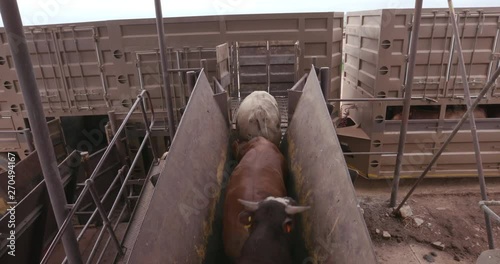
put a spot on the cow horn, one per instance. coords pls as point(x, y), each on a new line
point(250, 206)
point(291, 210)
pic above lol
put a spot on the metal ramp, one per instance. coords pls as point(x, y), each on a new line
point(489, 257)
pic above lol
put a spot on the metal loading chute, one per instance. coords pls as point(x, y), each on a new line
point(182, 223)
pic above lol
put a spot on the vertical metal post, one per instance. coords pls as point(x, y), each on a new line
point(147, 127)
point(268, 67)
point(472, 120)
point(204, 65)
point(191, 82)
point(29, 140)
point(480, 96)
point(118, 143)
point(179, 75)
point(164, 68)
point(325, 81)
point(407, 101)
point(24, 69)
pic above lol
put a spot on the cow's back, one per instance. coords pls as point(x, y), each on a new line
point(258, 115)
point(259, 174)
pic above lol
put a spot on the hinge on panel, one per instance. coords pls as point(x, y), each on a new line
point(495, 56)
point(410, 26)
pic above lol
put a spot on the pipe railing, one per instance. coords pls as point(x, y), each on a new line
point(472, 119)
point(89, 183)
point(484, 206)
point(407, 101)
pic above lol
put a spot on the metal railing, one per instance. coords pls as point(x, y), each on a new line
point(90, 187)
point(484, 205)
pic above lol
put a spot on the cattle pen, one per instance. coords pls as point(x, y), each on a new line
point(119, 132)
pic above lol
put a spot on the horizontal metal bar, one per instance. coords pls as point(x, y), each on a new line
point(84, 212)
point(300, 83)
point(136, 181)
point(94, 213)
point(386, 99)
point(12, 131)
point(489, 203)
point(102, 212)
point(366, 100)
point(370, 153)
point(63, 227)
point(120, 193)
point(490, 212)
point(115, 138)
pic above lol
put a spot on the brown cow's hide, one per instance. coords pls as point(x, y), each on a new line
point(259, 174)
point(258, 115)
point(458, 113)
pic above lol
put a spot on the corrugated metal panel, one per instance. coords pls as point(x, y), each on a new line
point(90, 68)
point(424, 138)
point(376, 64)
point(377, 44)
point(267, 66)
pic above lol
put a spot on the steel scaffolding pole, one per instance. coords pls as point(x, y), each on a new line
point(164, 68)
point(472, 120)
point(480, 96)
point(24, 69)
point(407, 101)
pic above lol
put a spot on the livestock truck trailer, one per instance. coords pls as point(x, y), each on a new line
point(104, 92)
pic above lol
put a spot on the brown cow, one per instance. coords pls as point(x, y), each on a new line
point(458, 112)
point(271, 225)
point(259, 174)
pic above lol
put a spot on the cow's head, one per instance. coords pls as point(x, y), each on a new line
point(273, 212)
point(270, 224)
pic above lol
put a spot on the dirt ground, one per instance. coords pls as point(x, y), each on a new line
point(450, 213)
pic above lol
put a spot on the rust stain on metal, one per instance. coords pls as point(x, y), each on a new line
point(298, 179)
point(208, 223)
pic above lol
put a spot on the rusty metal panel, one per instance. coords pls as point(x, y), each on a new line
point(182, 208)
point(333, 229)
point(35, 223)
point(377, 45)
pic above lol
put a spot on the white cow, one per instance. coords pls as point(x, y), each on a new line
point(259, 115)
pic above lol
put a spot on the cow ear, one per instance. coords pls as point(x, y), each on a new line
point(245, 218)
point(288, 225)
